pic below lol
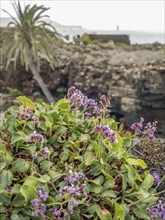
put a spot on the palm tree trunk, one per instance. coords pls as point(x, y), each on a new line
point(40, 81)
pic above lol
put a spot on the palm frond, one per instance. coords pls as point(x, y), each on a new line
point(30, 33)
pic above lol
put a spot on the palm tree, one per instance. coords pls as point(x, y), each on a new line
point(27, 38)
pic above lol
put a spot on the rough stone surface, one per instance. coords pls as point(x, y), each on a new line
point(133, 76)
point(153, 153)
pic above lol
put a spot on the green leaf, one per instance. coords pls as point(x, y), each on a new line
point(88, 158)
point(18, 136)
point(107, 176)
point(95, 169)
point(31, 180)
point(64, 156)
point(2, 165)
point(63, 104)
point(148, 182)
point(20, 165)
point(5, 198)
point(108, 193)
point(109, 183)
point(44, 178)
point(45, 165)
point(97, 147)
point(3, 216)
point(98, 181)
point(95, 188)
point(131, 174)
point(54, 175)
point(84, 137)
point(53, 139)
point(119, 212)
point(127, 142)
point(140, 212)
point(103, 213)
point(48, 120)
point(18, 201)
point(120, 142)
point(6, 178)
point(28, 191)
point(24, 100)
point(62, 130)
point(137, 162)
point(31, 125)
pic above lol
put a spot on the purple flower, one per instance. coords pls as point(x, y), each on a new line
point(66, 214)
point(74, 202)
point(44, 196)
point(55, 212)
point(35, 156)
point(97, 128)
point(45, 151)
point(26, 114)
point(36, 137)
point(38, 207)
point(149, 129)
point(36, 120)
point(76, 186)
point(107, 132)
point(78, 99)
point(88, 115)
point(71, 90)
point(156, 212)
point(37, 203)
point(43, 208)
point(156, 178)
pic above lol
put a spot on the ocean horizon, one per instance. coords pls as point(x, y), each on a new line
point(146, 37)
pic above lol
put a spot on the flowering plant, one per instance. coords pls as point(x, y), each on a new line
point(70, 161)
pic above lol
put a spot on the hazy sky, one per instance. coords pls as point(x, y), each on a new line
point(102, 14)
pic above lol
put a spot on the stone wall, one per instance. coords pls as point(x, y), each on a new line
point(117, 38)
point(133, 76)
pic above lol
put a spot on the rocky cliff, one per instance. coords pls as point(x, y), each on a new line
point(133, 76)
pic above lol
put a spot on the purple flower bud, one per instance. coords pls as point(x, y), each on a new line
point(35, 156)
point(55, 212)
point(36, 137)
point(44, 196)
point(97, 128)
point(66, 214)
point(74, 202)
point(45, 151)
point(156, 178)
point(43, 208)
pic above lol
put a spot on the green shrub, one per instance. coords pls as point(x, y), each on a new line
point(86, 39)
point(69, 160)
point(15, 92)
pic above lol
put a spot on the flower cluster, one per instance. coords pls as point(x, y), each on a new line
point(75, 188)
point(77, 98)
point(37, 203)
point(156, 178)
point(104, 104)
point(36, 137)
point(28, 114)
point(45, 152)
point(107, 132)
point(149, 129)
point(59, 214)
point(158, 212)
